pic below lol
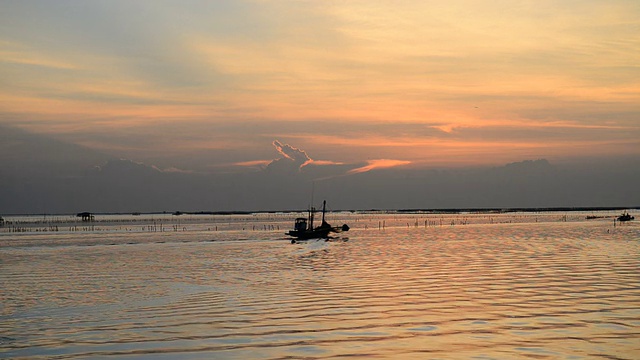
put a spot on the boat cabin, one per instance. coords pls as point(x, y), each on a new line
point(300, 224)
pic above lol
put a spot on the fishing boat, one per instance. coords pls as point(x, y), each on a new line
point(625, 217)
point(303, 227)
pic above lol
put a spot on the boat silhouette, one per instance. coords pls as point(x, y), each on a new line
point(625, 217)
point(303, 227)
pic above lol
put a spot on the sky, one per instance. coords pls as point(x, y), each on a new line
point(228, 86)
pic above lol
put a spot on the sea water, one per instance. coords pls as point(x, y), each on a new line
point(397, 286)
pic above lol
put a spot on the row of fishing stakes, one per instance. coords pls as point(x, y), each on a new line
point(382, 224)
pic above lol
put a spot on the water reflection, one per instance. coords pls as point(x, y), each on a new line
point(501, 290)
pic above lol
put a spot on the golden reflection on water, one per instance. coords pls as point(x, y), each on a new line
point(550, 290)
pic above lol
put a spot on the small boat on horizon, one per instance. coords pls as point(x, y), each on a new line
point(625, 217)
point(303, 227)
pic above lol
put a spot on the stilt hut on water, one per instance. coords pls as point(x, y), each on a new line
point(86, 216)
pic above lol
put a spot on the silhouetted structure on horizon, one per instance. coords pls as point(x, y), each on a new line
point(86, 216)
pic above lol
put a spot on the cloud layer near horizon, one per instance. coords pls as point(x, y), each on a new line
point(41, 175)
point(464, 82)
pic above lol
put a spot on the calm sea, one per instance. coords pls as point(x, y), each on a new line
point(397, 286)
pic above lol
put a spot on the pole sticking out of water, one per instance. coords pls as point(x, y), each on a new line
point(313, 189)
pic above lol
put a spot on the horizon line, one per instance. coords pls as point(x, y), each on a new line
point(407, 211)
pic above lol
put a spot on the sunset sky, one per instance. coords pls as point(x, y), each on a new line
point(386, 83)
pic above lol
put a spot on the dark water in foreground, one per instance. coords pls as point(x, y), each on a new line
point(486, 290)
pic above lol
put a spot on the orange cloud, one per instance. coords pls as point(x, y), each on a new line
point(379, 164)
point(253, 163)
point(325, 162)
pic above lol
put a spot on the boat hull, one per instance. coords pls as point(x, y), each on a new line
point(310, 234)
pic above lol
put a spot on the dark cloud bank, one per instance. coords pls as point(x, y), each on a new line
point(41, 175)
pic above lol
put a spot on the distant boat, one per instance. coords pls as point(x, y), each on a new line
point(303, 228)
point(625, 217)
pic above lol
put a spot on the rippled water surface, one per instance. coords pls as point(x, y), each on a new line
point(487, 290)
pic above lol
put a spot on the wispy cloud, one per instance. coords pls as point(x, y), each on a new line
point(12, 53)
point(253, 163)
point(379, 164)
point(326, 162)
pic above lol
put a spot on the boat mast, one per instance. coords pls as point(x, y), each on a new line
point(312, 210)
point(324, 205)
point(310, 222)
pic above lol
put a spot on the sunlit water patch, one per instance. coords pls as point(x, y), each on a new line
point(487, 290)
